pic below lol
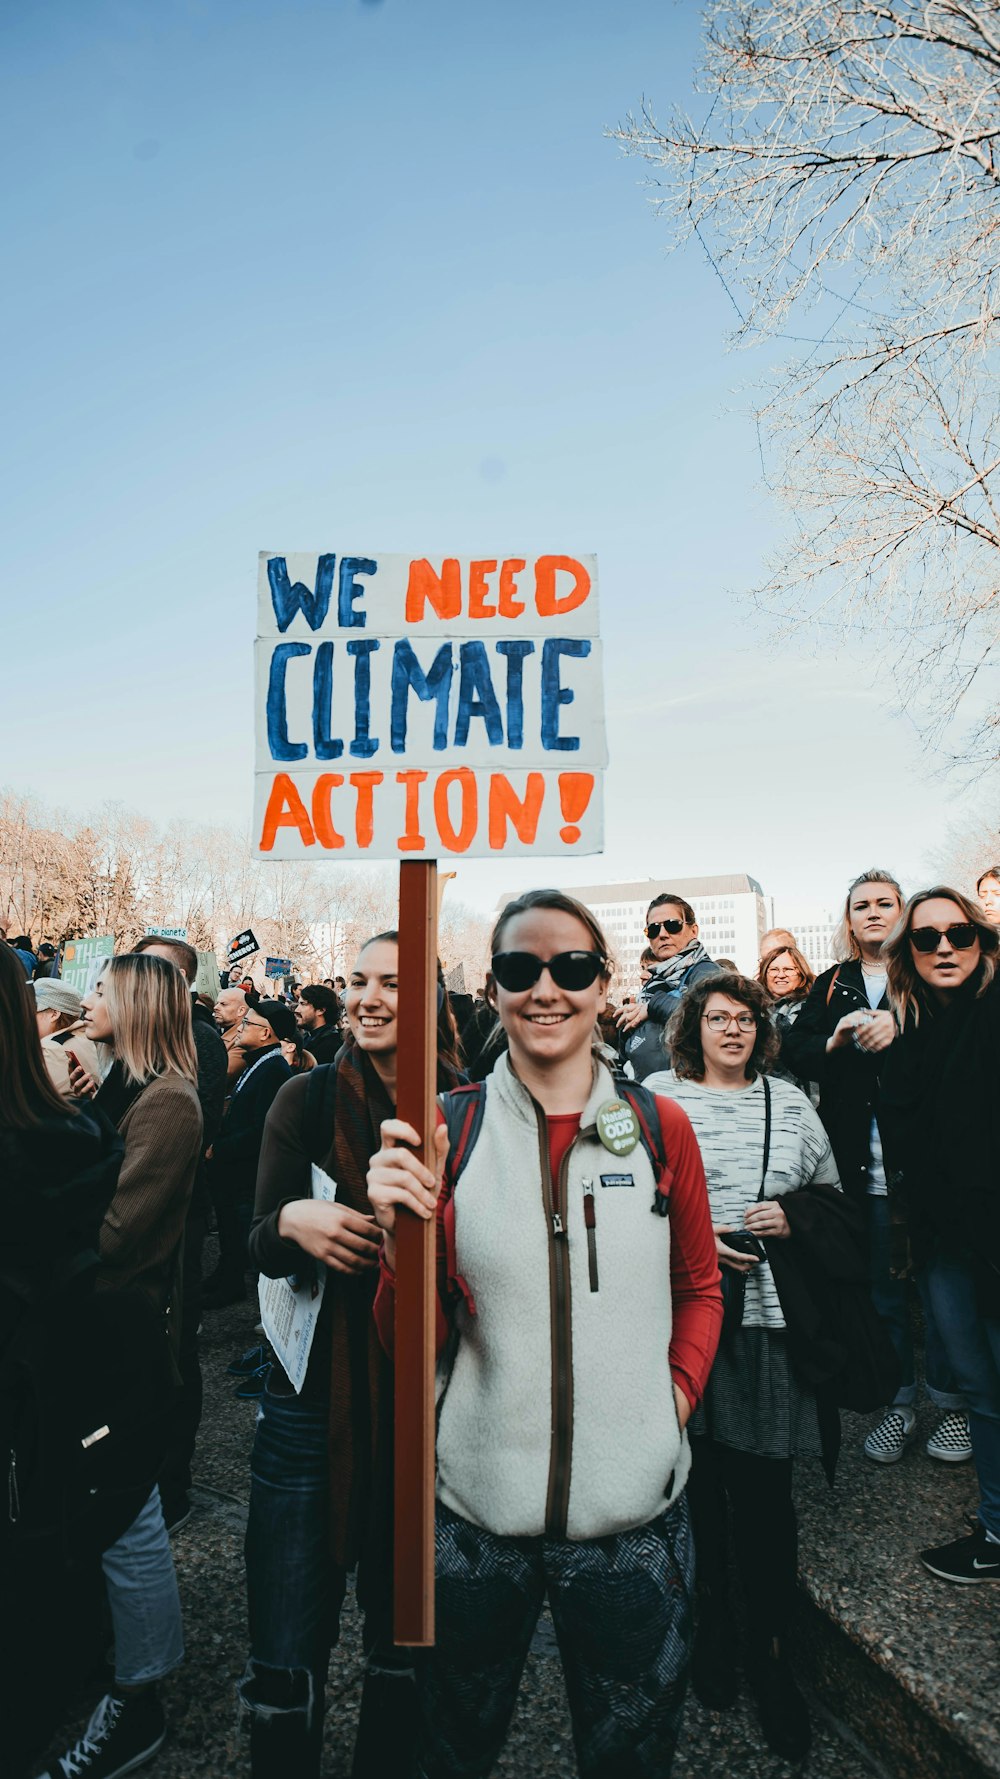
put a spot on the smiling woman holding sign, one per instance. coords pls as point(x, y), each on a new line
point(576, 1333)
point(321, 1466)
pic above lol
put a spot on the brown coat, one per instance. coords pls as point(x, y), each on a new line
point(144, 1222)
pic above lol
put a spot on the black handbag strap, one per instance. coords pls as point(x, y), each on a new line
point(767, 1134)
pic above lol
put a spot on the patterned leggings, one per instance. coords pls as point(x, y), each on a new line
point(621, 1606)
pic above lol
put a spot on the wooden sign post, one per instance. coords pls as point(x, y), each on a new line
point(416, 1083)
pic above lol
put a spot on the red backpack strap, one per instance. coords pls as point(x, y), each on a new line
point(833, 984)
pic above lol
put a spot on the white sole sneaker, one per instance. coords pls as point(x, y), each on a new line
point(887, 1442)
point(950, 1442)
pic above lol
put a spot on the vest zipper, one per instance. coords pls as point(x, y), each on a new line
point(561, 1338)
point(590, 1224)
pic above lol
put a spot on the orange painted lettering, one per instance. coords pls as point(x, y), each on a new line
point(550, 604)
point(460, 839)
point(285, 809)
point(411, 839)
point(510, 605)
point(442, 592)
point(364, 821)
point(478, 590)
point(322, 814)
point(521, 812)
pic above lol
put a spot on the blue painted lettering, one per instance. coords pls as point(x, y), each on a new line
point(363, 745)
point(348, 591)
point(554, 693)
point(476, 697)
point(407, 673)
point(277, 709)
point(515, 653)
point(327, 747)
point(288, 599)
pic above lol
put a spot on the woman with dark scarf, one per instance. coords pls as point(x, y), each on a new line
point(321, 1469)
point(941, 1126)
point(786, 979)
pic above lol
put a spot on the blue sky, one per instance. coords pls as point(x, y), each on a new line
point(360, 275)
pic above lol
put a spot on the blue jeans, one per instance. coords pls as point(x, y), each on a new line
point(973, 1346)
point(891, 1300)
point(621, 1606)
point(295, 1591)
point(142, 1594)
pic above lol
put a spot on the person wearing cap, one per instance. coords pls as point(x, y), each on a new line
point(48, 961)
point(58, 1009)
point(235, 1152)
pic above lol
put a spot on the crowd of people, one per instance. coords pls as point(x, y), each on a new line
point(820, 1153)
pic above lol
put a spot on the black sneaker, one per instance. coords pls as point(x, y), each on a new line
point(123, 1734)
point(251, 1360)
point(973, 1558)
point(253, 1385)
point(784, 1717)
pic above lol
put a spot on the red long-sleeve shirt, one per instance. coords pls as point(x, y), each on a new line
point(694, 1266)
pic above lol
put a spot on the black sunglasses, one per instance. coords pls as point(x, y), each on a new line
point(517, 970)
point(656, 927)
point(962, 936)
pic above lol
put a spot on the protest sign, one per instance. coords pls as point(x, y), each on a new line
point(166, 933)
point(277, 967)
point(244, 945)
point(410, 706)
point(207, 980)
point(83, 961)
point(289, 1308)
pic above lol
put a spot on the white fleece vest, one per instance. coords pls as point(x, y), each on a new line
point(514, 1433)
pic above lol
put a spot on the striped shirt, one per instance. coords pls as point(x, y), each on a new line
point(729, 1125)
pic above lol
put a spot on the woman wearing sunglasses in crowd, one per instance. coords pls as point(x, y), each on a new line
point(942, 1133)
point(841, 1039)
point(760, 1140)
point(679, 959)
point(577, 1332)
point(320, 1488)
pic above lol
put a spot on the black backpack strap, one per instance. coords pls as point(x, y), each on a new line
point(463, 1114)
point(767, 1133)
point(321, 1094)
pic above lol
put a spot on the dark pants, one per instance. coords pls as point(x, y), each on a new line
point(295, 1591)
point(185, 1417)
point(765, 1534)
point(621, 1606)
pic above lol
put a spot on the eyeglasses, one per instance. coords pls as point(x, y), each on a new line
point(656, 927)
point(962, 936)
point(720, 1022)
point(255, 1025)
point(573, 970)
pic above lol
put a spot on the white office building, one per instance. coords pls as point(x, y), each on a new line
point(813, 926)
point(731, 913)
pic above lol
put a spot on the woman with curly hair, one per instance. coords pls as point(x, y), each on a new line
point(942, 1138)
point(760, 1140)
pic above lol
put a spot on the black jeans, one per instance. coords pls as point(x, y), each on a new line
point(765, 1542)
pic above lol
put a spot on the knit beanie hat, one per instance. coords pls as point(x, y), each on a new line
point(51, 993)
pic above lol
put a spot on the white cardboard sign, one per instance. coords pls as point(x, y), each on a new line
point(412, 706)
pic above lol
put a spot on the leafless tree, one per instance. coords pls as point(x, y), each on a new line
point(844, 181)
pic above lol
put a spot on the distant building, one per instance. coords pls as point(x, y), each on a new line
point(813, 926)
point(731, 912)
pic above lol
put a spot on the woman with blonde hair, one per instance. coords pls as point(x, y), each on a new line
point(942, 1135)
point(786, 979)
point(841, 1039)
point(141, 1007)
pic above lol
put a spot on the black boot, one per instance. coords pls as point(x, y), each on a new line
point(713, 1659)
point(781, 1708)
point(387, 1724)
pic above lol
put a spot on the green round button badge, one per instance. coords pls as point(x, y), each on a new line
point(618, 1127)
